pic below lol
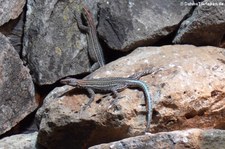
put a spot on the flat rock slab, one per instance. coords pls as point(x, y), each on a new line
point(188, 92)
point(10, 9)
point(125, 25)
point(21, 141)
point(16, 87)
point(187, 139)
point(206, 25)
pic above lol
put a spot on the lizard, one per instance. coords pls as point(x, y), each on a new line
point(114, 84)
point(94, 48)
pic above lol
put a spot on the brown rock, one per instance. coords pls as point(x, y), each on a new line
point(10, 9)
point(16, 87)
point(188, 92)
point(187, 139)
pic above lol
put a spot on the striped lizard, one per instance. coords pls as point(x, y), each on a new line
point(94, 47)
point(115, 84)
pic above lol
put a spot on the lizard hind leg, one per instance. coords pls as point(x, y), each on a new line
point(94, 67)
point(116, 95)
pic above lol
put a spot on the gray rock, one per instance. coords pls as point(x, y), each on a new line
point(20, 141)
point(10, 9)
point(16, 87)
point(53, 45)
point(212, 139)
point(13, 30)
point(206, 26)
point(186, 139)
point(125, 25)
point(16, 36)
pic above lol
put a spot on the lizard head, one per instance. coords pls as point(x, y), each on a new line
point(85, 10)
point(69, 81)
point(88, 16)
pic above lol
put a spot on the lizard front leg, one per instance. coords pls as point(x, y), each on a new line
point(91, 98)
point(79, 22)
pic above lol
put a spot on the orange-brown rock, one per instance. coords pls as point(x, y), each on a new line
point(188, 92)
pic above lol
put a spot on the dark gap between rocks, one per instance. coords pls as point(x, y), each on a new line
point(14, 31)
point(27, 125)
point(110, 54)
point(167, 40)
point(222, 43)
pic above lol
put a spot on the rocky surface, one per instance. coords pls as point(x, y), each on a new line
point(53, 45)
point(125, 25)
point(51, 97)
point(206, 25)
point(16, 87)
point(188, 92)
point(21, 141)
point(187, 139)
point(10, 9)
point(14, 31)
point(187, 85)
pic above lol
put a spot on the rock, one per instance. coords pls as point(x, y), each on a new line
point(20, 141)
point(10, 9)
point(51, 97)
point(206, 26)
point(16, 87)
point(14, 31)
point(126, 25)
point(186, 139)
point(188, 92)
point(54, 46)
point(212, 139)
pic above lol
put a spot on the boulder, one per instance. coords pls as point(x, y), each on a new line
point(20, 141)
point(10, 9)
point(186, 139)
point(126, 25)
point(188, 92)
point(53, 45)
point(16, 87)
point(206, 25)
